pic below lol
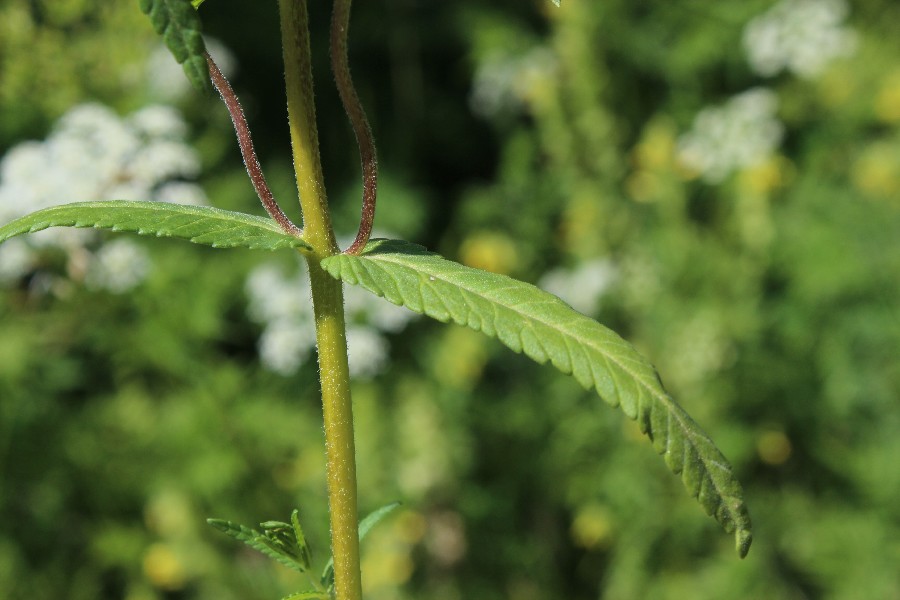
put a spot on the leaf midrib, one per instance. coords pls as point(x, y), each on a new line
point(664, 399)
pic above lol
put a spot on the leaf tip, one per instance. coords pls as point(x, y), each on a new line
point(738, 521)
point(218, 524)
point(743, 539)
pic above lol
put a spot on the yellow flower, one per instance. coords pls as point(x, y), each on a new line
point(460, 357)
point(773, 447)
point(838, 86)
point(643, 186)
point(887, 100)
point(163, 568)
point(766, 176)
point(490, 251)
point(592, 527)
point(657, 146)
point(877, 171)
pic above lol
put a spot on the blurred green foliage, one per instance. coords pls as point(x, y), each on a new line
point(769, 302)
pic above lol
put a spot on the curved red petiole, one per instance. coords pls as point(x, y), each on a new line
point(247, 152)
point(340, 20)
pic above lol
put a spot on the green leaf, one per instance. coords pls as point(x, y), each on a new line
point(179, 25)
point(300, 538)
point(258, 541)
point(529, 320)
point(289, 537)
point(374, 517)
point(281, 535)
point(197, 3)
point(274, 525)
point(365, 526)
point(199, 224)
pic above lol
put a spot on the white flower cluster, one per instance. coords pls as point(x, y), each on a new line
point(583, 286)
point(283, 304)
point(92, 154)
point(800, 36)
point(738, 134)
point(504, 84)
point(117, 266)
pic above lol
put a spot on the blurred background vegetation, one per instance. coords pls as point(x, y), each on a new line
point(719, 182)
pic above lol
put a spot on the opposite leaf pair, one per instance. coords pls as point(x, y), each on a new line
point(523, 317)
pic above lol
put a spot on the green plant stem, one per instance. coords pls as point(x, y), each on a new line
point(304, 134)
point(334, 374)
point(328, 302)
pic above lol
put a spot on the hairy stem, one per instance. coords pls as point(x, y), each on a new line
point(245, 141)
point(328, 303)
point(334, 374)
point(340, 23)
point(302, 121)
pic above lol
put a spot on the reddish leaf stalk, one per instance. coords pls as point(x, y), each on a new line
point(245, 141)
point(340, 21)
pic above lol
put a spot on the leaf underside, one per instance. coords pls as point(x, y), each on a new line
point(179, 25)
point(199, 224)
point(543, 327)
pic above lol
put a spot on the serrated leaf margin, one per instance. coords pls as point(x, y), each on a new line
point(386, 267)
point(179, 25)
point(162, 219)
point(257, 541)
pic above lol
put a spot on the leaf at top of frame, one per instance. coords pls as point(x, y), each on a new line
point(546, 329)
point(179, 25)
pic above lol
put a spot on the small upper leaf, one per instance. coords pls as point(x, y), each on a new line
point(300, 539)
point(529, 320)
point(260, 542)
point(374, 517)
point(178, 23)
point(198, 224)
